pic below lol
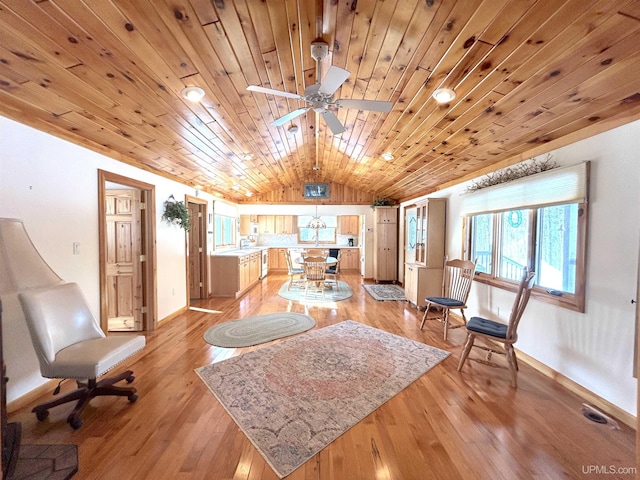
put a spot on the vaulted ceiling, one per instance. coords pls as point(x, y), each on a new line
point(108, 74)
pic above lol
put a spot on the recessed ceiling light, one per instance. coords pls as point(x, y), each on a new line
point(293, 129)
point(387, 156)
point(443, 95)
point(193, 94)
point(247, 156)
point(249, 194)
point(236, 187)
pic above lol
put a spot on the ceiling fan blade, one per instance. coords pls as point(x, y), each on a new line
point(256, 88)
point(332, 122)
point(289, 116)
point(332, 81)
point(373, 105)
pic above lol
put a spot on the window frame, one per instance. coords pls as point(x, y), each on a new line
point(233, 226)
point(572, 301)
point(313, 242)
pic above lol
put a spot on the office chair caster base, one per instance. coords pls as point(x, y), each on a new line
point(42, 414)
point(133, 397)
point(74, 421)
point(130, 378)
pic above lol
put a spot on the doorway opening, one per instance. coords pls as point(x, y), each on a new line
point(127, 253)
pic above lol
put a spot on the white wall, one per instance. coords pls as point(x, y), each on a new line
point(52, 185)
point(594, 349)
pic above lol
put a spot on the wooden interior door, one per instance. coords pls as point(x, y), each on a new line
point(123, 259)
point(197, 251)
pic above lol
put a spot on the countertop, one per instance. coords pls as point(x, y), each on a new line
point(240, 252)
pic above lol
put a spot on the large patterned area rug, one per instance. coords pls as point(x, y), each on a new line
point(330, 294)
point(248, 331)
point(384, 293)
point(294, 397)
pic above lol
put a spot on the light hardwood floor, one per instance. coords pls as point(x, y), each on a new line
point(446, 425)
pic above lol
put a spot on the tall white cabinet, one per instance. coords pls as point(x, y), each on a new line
point(385, 244)
point(425, 249)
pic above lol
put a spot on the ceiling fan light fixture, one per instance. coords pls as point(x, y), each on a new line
point(443, 95)
point(387, 156)
point(193, 94)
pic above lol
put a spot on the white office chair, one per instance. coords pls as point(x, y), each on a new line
point(70, 344)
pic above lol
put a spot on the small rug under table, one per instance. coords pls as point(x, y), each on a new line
point(331, 293)
point(294, 397)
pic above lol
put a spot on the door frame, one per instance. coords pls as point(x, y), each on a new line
point(147, 230)
point(204, 270)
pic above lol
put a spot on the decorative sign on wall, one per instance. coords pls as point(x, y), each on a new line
point(316, 190)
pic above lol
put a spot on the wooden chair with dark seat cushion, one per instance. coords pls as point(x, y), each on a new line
point(333, 271)
point(70, 344)
point(456, 285)
point(498, 334)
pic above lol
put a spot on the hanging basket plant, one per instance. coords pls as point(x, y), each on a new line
point(176, 213)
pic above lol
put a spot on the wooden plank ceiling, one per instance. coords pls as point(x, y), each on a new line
point(107, 74)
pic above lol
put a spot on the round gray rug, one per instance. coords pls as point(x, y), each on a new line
point(249, 331)
point(330, 295)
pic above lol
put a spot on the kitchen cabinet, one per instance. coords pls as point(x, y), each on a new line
point(386, 214)
point(245, 224)
point(349, 224)
point(277, 259)
point(266, 224)
point(350, 259)
point(385, 244)
point(232, 275)
point(425, 250)
point(285, 224)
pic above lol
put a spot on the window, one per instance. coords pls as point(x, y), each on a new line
point(325, 235)
point(481, 242)
point(538, 221)
point(225, 231)
point(550, 239)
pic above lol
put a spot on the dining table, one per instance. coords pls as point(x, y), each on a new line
point(329, 261)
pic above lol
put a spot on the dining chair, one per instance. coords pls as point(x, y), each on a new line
point(314, 269)
point(332, 271)
point(294, 270)
point(456, 285)
point(500, 334)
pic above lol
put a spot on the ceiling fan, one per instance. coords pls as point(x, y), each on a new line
point(320, 95)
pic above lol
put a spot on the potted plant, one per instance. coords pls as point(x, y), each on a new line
point(382, 202)
point(176, 213)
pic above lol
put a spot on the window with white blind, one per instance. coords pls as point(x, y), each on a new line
point(225, 231)
point(538, 223)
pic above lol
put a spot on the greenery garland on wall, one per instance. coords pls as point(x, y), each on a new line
point(176, 213)
point(524, 169)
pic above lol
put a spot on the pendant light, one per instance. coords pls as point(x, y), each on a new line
point(316, 222)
